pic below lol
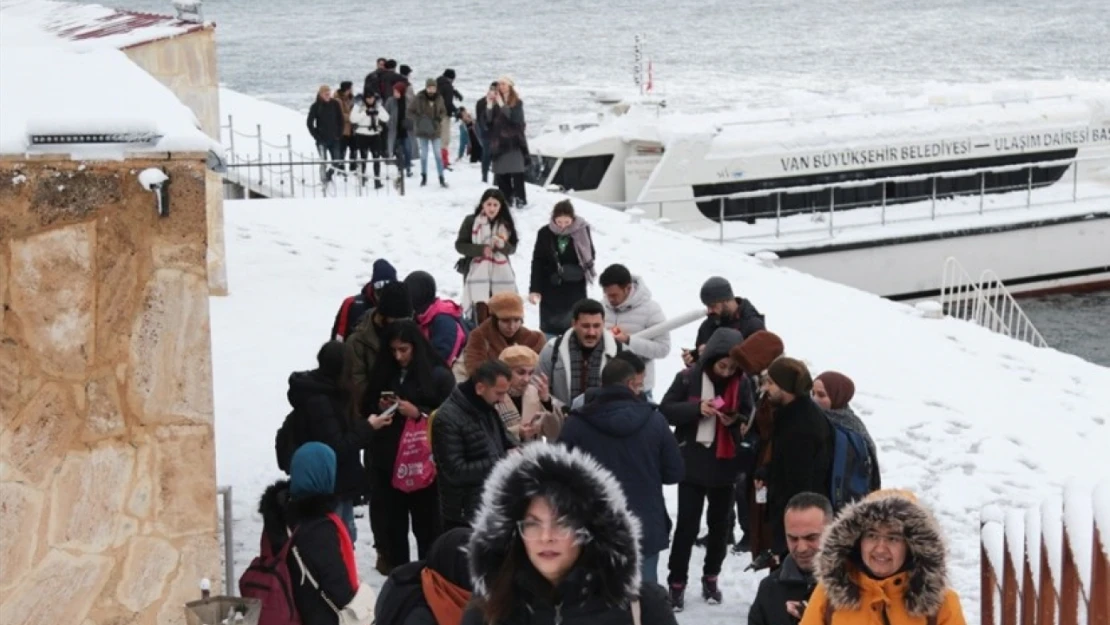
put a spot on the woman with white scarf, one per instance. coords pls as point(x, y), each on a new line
point(486, 240)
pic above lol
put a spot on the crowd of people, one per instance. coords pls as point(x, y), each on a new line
point(391, 121)
point(529, 464)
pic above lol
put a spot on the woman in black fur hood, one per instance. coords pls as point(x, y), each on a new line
point(554, 542)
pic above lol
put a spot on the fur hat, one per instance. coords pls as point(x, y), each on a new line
point(757, 352)
point(839, 387)
point(579, 489)
point(394, 301)
point(791, 375)
point(926, 552)
point(506, 306)
point(519, 356)
point(715, 290)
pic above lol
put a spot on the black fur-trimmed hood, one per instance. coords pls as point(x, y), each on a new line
point(279, 511)
point(927, 570)
point(580, 489)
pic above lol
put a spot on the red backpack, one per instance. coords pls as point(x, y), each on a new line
point(267, 579)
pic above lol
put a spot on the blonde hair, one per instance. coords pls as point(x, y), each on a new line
point(322, 89)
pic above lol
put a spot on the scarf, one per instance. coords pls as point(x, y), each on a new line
point(710, 428)
point(446, 600)
point(581, 369)
point(509, 412)
point(346, 550)
point(488, 276)
point(579, 233)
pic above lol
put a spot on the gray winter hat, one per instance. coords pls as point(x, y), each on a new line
point(715, 290)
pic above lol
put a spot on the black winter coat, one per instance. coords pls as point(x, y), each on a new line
point(786, 583)
point(747, 320)
point(557, 298)
point(381, 454)
point(401, 598)
point(446, 89)
point(325, 120)
point(468, 438)
point(322, 408)
point(800, 458)
point(575, 604)
point(631, 438)
point(316, 538)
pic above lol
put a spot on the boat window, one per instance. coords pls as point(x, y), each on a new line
point(582, 173)
point(766, 207)
point(539, 168)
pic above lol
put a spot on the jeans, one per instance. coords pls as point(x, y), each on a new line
point(402, 150)
point(346, 511)
point(369, 145)
point(464, 140)
point(433, 146)
point(329, 150)
point(691, 501)
point(649, 568)
point(348, 150)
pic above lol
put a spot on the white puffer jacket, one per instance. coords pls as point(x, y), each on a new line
point(365, 124)
point(639, 312)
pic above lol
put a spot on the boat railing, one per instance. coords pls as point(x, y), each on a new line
point(985, 302)
point(833, 215)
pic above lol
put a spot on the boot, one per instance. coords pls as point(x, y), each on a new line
point(382, 565)
point(442, 182)
point(378, 183)
point(423, 180)
point(678, 596)
point(709, 590)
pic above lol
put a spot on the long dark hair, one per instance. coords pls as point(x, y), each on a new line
point(421, 368)
point(504, 216)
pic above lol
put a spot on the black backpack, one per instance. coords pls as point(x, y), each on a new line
point(404, 593)
point(289, 437)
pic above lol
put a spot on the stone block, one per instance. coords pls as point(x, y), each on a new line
point(61, 589)
point(142, 489)
point(117, 273)
point(171, 359)
point(87, 499)
point(217, 264)
point(53, 293)
point(4, 302)
point(200, 558)
point(148, 566)
point(66, 196)
point(20, 510)
point(188, 257)
point(105, 415)
point(42, 434)
point(185, 487)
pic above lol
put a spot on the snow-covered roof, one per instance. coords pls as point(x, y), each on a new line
point(51, 90)
point(38, 21)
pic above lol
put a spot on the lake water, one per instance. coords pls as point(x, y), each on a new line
point(706, 55)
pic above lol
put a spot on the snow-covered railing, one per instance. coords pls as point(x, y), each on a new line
point(924, 207)
point(1049, 564)
point(985, 302)
point(266, 168)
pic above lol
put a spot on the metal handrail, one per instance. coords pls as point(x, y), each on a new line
point(986, 302)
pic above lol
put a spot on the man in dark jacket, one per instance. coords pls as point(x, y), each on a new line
point(354, 307)
point(325, 124)
point(365, 342)
point(631, 438)
point(446, 85)
point(725, 310)
point(782, 595)
point(705, 404)
point(322, 405)
point(388, 79)
point(373, 81)
point(800, 444)
point(468, 438)
point(483, 122)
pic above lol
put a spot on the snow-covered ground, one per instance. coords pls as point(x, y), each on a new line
point(961, 416)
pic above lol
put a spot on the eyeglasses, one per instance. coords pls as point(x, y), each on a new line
point(534, 530)
point(890, 539)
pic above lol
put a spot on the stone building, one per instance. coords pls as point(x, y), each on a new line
point(180, 54)
point(107, 452)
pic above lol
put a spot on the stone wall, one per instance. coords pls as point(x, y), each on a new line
point(187, 65)
point(108, 506)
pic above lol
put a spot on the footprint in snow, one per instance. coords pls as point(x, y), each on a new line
point(1016, 441)
point(1033, 466)
point(293, 251)
point(1099, 420)
point(975, 447)
point(936, 404)
point(244, 236)
point(284, 243)
point(960, 425)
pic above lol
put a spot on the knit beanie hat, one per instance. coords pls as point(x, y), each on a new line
point(839, 387)
point(394, 302)
point(519, 356)
point(431, 82)
point(450, 73)
point(405, 70)
point(384, 271)
point(330, 359)
point(757, 352)
point(716, 290)
point(506, 306)
point(791, 375)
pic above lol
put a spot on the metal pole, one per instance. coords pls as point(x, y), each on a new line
point(292, 177)
point(1075, 181)
point(1029, 189)
point(882, 214)
point(982, 189)
point(229, 544)
point(933, 212)
point(721, 230)
point(231, 135)
point(778, 213)
point(832, 205)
